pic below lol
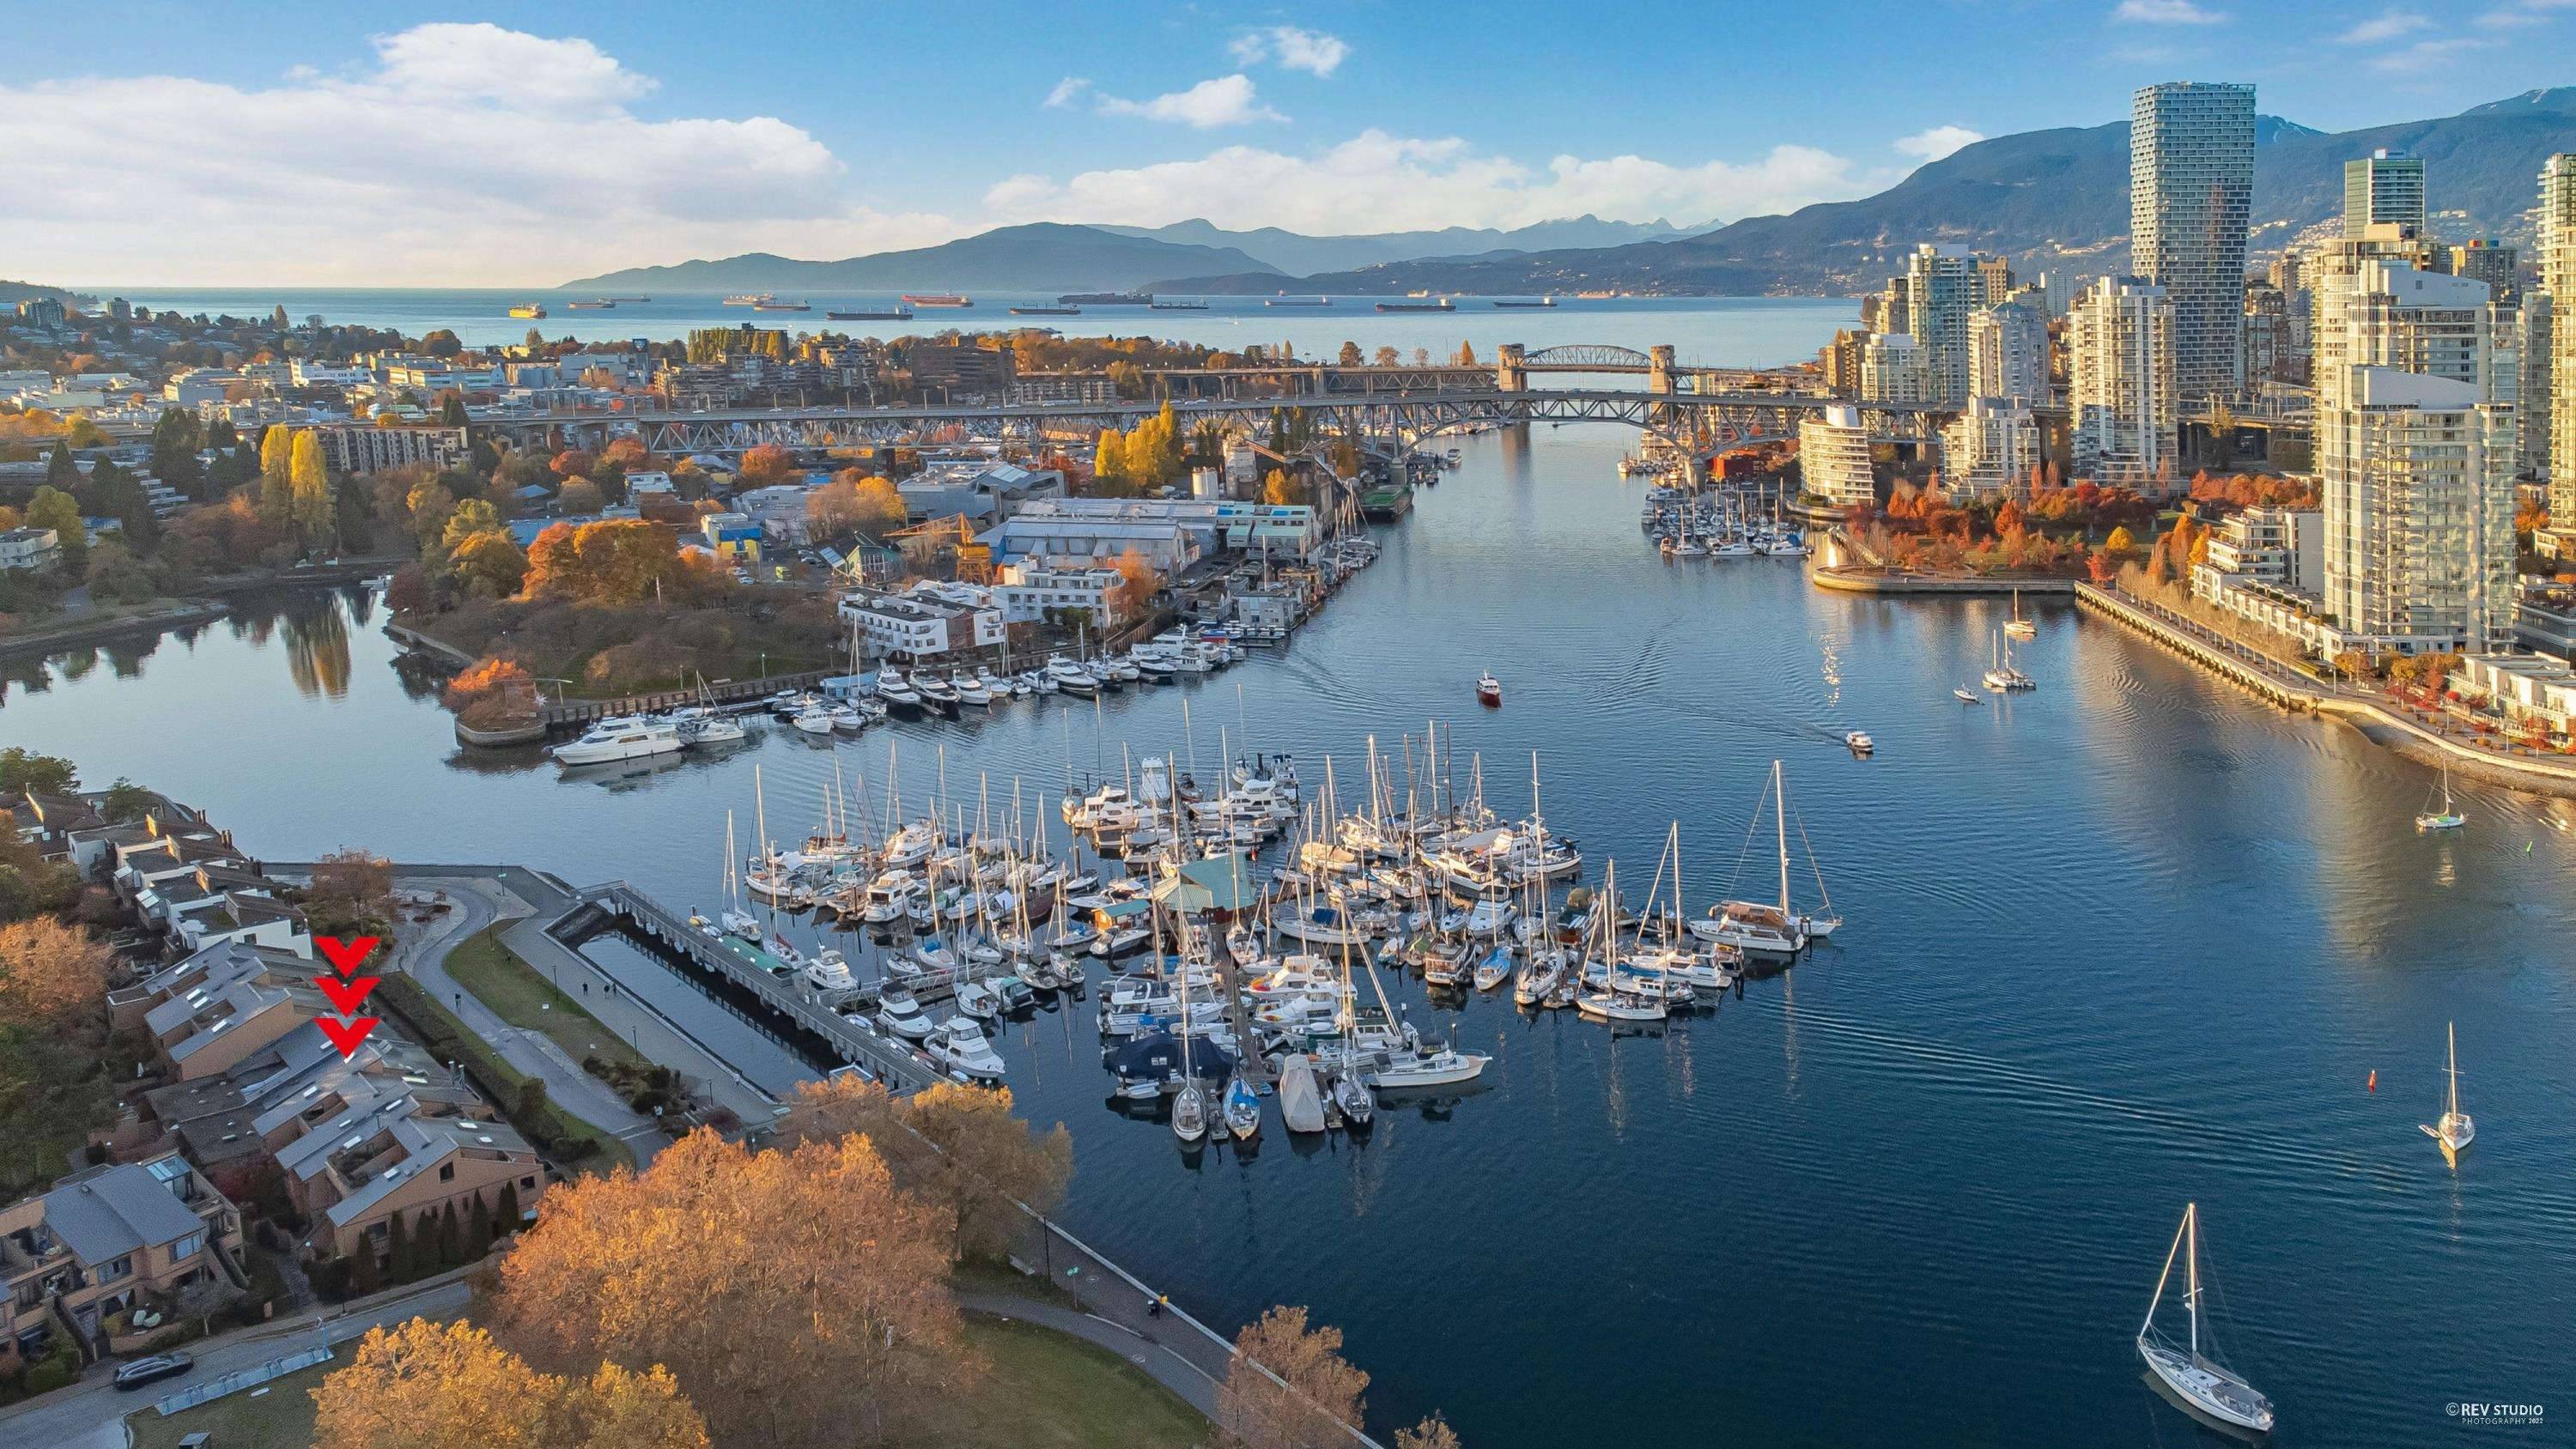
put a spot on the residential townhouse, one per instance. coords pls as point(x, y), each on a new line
point(107, 1240)
point(352, 1174)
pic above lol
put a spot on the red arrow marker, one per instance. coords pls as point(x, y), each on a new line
point(347, 956)
point(348, 1036)
point(346, 999)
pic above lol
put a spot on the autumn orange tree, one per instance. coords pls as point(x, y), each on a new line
point(766, 465)
point(798, 1297)
point(1289, 1386)
point(427, 1385)
point(615, 560)
point(985, 1163)
point(1137, 584)
point(49, 970)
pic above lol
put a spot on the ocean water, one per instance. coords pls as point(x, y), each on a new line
point(2127, 942)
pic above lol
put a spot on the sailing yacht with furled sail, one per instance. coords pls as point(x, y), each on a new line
point(1758, 929)
point(2447, 818)
point(2454, 1131)
point(2204, 1383)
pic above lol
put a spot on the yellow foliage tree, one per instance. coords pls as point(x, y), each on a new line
point(986, 1161)
point(315, 504)
point(798, 1298)
point(1315, 1391)
point(427, 1385)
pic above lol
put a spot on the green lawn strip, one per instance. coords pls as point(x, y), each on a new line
point(281, 1416)
point(523, 997)
point(1051, 1390)
point(449, 1038)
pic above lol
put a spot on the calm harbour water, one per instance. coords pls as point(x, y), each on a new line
point(2127, 941)
point(1717, 331)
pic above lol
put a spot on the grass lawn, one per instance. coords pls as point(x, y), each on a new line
point(525, 998)
point(281, 1416)
point(1053, 1391)
point(430, 1017)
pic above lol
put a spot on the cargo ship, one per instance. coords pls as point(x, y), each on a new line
point(1443, 305)
point(1180, 306)
point(937, 299)
point(774, 305)
point(596, 304)
point(1106, 299)
point(629, 299)
point(895, 314)
point(1541, 302)
point(750, 299)
point(529, 309)
point(1046, 311)
point(1296, 301)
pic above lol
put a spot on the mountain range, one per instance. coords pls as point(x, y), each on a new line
point(2044, 198)
point(1035, 258)
point(2054, 198)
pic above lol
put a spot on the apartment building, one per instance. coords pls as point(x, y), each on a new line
point(107, 1240)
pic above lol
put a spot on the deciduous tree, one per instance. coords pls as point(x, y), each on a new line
point(765, 466)
point(1431, 1433)
point(427, 1385)
point(986, 1162)
point(1315, 1391)
point(49, 971)
point(797, 1297)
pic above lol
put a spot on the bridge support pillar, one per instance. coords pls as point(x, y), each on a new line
point(1659, 371)
point(1511, 374)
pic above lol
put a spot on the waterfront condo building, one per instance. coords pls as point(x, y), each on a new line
point(2191, 193)
point(1893, 369)
point(2416, 450)
point(1990, 449)
point(2384, 186)
point(1942, 287)
point(2493, 262)
point(1833, 457)
point(2122, 395)
point(2008, 353)
point(2557, 230)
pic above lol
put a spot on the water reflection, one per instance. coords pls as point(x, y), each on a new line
point(317, 647)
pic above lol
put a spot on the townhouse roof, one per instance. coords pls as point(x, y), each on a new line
point(108, 1212)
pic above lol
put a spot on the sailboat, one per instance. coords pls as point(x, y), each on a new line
point(1759, 929)
point(2203, 1382)
point(736, 920)
point(2017, 626)
point(1242, 1109)
point(2448, 818)
point(2455, 1131)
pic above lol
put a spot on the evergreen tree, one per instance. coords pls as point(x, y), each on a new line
point(505, 1213)
point(61, 470)
point(277, 319)
point(401, 1268)
point(174, 451)
point(451, 1238)
point(478, 1229)
point(364, 1276)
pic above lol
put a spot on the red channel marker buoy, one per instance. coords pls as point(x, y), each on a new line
point(2374, 1079)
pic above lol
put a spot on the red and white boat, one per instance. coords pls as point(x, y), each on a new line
point(1489, 690)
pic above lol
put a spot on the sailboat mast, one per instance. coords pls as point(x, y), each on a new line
point(1780, 814)
point(2191, 1294)
point(2164, 1277)
point(2453, 1031)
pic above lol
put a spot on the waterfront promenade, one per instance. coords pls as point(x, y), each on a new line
point(2380, 718)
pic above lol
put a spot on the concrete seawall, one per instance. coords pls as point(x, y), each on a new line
point(2368, 714)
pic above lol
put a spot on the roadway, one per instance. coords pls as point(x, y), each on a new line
point(91, 1413)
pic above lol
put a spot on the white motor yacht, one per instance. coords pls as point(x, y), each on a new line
point(627, 737)
point(897, 1012)
point(1433, 1067)
point(701, 726)
point(970, 690)
point(814, 719)
point(828, 970)
point(1070, 677)
point(897, 691)
point(960, 1044)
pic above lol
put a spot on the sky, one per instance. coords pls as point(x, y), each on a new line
point(216, 144)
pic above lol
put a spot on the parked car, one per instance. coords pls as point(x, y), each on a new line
point(151, 1370)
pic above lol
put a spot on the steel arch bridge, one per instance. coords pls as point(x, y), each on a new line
point(1692, 421)
point(1588, 357)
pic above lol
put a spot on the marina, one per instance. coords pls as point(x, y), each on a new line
point(1805, 1147)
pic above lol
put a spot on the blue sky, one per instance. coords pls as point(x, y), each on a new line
point(508, 144)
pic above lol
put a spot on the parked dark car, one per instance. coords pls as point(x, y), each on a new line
point(148, 1370)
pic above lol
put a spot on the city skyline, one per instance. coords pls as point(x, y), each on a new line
point(526, 147)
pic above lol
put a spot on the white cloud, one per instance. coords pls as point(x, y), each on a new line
point(420, 167)
point(1938, 142)
point(2166, 12)
point(2524, 14)
point(1067, 91)
point(2426, 55)
point(1380, 182)
point(1294, 49)
point(2389, 25)
point(1225, 101)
